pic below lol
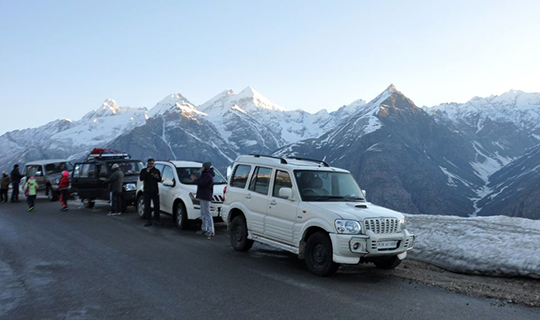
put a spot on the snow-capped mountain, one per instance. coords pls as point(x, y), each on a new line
point(69, 139)
point(253, 124)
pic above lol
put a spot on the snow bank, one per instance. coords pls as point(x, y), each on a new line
point(498, 245)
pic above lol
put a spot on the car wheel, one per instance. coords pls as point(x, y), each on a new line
point(319, 254)
point(180, 216)
point(51, 195)
point(387, 263)
point(88, 203)
point(238, 235)
point(140, 207)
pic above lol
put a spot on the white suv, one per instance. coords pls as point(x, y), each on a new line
point(313, 210)
point(177, 192)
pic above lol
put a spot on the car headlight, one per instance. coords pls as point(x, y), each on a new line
point(348, 226)
point(130, 186)
point(402, 224)
point(56, 181)
point(193, 198)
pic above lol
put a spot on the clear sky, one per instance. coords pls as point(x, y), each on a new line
point(61, 59)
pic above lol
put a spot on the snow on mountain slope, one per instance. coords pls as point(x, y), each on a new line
point(65, 138)
point(267, 124)
point(174, 102)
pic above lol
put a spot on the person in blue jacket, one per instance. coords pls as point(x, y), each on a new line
point(205, 191)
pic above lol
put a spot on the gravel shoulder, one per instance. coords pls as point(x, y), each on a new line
point(523, 291)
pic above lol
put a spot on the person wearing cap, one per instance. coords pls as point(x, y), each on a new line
point(205, 190)
point(63, 185)
point(15, 180)
point(4, 186)
point(151, 177)
point(30, 189)
point(117, 183)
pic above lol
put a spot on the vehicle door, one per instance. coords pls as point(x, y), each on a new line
point(50, 173)
point(166, 189)
point(40, 177)
point(256, 198)
point(281, 215)
point(85, 180)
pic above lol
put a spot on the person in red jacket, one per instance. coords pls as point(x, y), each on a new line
point(63, 185)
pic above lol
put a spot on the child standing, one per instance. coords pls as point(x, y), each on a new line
point(30, 188)
point(63, 184)
point(4, 186)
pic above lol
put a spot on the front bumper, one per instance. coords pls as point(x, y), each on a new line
point(349, 249)
point(215, 210)
point(129, 196)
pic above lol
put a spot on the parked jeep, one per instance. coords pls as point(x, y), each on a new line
point(313, 210)
point(177, 192)
point(47, 174)
point(88, 178)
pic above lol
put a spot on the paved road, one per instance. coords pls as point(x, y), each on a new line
point(85, 265)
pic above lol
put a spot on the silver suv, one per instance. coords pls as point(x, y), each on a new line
point(47, 174)
point(313, 210)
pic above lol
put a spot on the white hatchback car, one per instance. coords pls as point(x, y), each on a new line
point(313, 210)
point(177, 192)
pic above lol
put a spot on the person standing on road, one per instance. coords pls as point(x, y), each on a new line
point(30, 189)
point(15, 180)
point(117, 183)
point(205, 191)
point(151, 177)
point(63, 185)
point(4, 186)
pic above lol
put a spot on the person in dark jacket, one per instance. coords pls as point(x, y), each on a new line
point(4, 186)
point(205, 191)
point(63, 185)
point(117, 183)
point(151, 177)
point(15, 180)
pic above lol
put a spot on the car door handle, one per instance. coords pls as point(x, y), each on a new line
point(273, 203)
point(248, 196)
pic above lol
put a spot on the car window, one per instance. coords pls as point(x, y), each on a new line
point(282, 180)
point(240, 176)
point(62, 166)
point(168, 174)
point(77, 170)
point(128, 167)
point(260, 180)
point(159, 167)
point(49, 168)
point(184, 174)
point(88, 170)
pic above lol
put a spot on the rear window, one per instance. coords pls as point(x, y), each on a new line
point(240, 176)
point(260, 180)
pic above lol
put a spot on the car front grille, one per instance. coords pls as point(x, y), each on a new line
point(382, 225)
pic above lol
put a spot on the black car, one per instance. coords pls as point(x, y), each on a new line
point(87, 179)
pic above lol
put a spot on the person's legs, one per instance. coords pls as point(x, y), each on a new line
point(155, 200)
point(116, 202)
point(147, 212)
point(14, 192)
point(208, 223)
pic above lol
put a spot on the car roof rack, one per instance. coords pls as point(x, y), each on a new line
point(106, 154)
point(324, 163)
point(283, 161)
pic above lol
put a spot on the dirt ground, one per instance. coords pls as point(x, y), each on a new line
point(524, 291)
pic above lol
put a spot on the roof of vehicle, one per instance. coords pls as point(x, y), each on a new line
point(42, 162)
point(109, 160)
point(183, 164)
point(290, 163)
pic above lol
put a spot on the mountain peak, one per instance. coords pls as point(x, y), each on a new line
point(391, 88)
point(173, 102)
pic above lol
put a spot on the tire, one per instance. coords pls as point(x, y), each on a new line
point(238, 234)
point(318, 254)
point(387, 263)
point(51, 195)
point(88, 203)
point(140, 206)
point(180, 216)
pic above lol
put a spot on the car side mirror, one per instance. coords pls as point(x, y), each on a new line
point(39, 173)
point(285, 193)
point(365, 194)
point(168, 183)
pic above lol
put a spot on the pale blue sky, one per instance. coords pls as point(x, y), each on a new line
point(61, 59)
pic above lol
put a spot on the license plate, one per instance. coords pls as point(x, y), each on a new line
point(387, 244)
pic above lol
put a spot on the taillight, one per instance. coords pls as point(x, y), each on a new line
point(224, 191)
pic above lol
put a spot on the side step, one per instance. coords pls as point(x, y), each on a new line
point(276, 244)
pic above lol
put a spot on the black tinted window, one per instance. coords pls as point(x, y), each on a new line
point(88, 170)
point(260, 180)
point(240, 176)
point(282, 180)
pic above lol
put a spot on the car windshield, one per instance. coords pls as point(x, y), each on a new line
point(184, 174)
point(62, 166)
point(129, 167)
point(327, 186)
